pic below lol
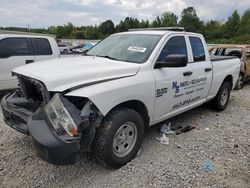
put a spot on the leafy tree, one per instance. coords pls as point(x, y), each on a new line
point(77, 34)
point(244, 26)
point(107, 28)
point(128, 23)
point(169, 19)
point(213, 30)
point(156, 22)
point(232, 25)
point(144, 24)
point(190, 21)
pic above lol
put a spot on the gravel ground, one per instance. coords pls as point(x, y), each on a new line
point(226, 145)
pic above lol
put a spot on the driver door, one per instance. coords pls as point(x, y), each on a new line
point(171, 82)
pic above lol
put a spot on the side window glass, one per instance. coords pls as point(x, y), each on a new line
point(197, 49)
point(14, 47)
point(42, 46)
point(175, 45)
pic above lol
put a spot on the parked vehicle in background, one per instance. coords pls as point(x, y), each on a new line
point(64, 48)
point(105, 100)
point(17, 50)
point(240, 51)
point(86, 47)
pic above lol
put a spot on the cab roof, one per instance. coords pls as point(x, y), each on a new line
point(156, 32)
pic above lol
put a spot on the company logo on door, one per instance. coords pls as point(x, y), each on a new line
point(161, 92)
point(188, 84)
point(176, 87)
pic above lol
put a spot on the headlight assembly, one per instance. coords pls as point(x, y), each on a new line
point(59, 117)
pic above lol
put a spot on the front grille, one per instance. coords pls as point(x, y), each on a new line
point(33, 89)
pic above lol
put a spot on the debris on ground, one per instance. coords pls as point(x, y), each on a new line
point(163, 139)
point(207, 129)
point(184, 129)
point(207, 166)
point(178, 146)
point(166, 129)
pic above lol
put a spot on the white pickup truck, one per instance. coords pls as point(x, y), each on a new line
point(19, 49)
point(104, 101)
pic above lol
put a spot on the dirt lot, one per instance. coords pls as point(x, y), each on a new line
point(226, 146)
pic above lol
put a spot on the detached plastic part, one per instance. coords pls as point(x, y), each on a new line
point(26, 117)
point(59, 150)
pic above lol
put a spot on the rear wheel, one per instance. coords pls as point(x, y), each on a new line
point(65, 51)
point(240, 82)
point(221, 100)
point(119, 138)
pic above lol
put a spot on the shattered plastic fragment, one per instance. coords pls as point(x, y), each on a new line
point(166, 129)
point(163, 139)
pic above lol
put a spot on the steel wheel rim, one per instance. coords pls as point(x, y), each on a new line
point(125, 139)
point(240, 84)
point(224, 96)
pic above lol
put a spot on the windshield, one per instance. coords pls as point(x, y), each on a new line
point(134, 48)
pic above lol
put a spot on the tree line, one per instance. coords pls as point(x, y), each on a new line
point(236, 29)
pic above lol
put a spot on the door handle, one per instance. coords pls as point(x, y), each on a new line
point(208, 69)
point(29, 61)
point(188, 73)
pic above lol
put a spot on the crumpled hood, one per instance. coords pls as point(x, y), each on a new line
point(65, 73)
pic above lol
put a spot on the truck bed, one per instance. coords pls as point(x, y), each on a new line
point(220, 58)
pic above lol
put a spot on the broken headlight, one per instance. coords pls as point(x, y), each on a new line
point(59, 117)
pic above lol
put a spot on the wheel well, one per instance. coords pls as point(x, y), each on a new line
point(229, 79)
point(241, 72)
point(139, 107)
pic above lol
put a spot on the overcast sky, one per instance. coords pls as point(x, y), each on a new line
point(43, 13)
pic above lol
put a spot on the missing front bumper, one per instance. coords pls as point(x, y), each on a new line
point(25, 117)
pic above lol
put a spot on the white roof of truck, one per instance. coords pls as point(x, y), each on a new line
point(2, 36)
point(157, 31)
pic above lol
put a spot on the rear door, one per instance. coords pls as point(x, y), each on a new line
point(201, 67)
point(14, 52)
point(42, 49)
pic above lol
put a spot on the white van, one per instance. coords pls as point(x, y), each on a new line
point(17, 50)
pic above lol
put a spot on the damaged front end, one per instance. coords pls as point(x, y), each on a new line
point(60, 126)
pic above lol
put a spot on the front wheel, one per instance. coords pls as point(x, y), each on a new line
point(119, 138)
point(221, 100)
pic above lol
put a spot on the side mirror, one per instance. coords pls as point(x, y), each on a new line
point(173, 60)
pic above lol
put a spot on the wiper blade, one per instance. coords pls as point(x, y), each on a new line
point(106, 56)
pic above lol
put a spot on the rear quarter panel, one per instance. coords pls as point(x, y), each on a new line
point(222, 69)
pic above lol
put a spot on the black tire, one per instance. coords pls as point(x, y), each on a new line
point(240, 82)
point(65, 51)
point(103, 145)
point(218, 103)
